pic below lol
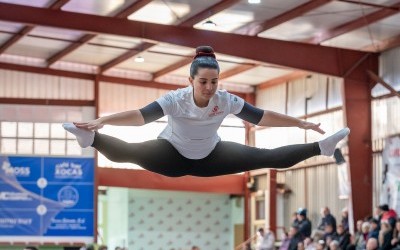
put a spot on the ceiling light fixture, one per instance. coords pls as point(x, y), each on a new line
point(254, 1)
point(139, 59)
point(209, 24)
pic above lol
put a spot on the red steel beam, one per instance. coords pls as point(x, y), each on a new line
point(25, 30)
point(289, 15)
point(355, 24)
point(325, 60)
point(125, 56)
point(143, 179)
point(103, 78)
point(87, 37)
point(218, 7)
point(55, 102)
point(236, 70)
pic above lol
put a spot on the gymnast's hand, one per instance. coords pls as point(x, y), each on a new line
point(312, 126)
point(90, 125)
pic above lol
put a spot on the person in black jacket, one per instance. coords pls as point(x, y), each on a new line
point(327, 218)
point(303, 223)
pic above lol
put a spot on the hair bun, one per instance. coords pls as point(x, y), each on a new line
point(204, 51)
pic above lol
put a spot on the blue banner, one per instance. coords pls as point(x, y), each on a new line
point(47, 197)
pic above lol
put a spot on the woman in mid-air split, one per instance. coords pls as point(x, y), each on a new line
point(190, 145)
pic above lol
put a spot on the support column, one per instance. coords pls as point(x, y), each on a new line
point(357, 106)
point(272, 199)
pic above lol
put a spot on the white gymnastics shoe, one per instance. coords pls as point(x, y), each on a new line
point(328, 145)
point(84, 137)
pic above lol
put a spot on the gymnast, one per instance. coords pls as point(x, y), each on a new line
point(189, 144)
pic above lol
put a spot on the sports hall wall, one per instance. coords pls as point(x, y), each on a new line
point(314, 183)
point(317, 173)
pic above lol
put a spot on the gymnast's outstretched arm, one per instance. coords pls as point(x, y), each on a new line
point(269, 118)
point(139, 117)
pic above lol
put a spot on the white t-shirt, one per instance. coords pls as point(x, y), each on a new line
point(193, 130)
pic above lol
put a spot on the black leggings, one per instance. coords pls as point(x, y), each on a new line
point(161, 157)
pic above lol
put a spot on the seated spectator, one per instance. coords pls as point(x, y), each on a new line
point(345, 219)
point(285, 241)
point(374, 229)
point(265, 239)
point(321, 245)
point(303, 223)
point(385, 236)
point(361, 240)
point(388, 215)
point(327, 218)
point(372, 244)
point(329, 233)
point(396, 235)
point(295, 237)
point(334, 245)
point(309, 244)
point(343, 237)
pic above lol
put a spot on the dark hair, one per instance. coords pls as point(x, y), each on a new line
point(204, 58)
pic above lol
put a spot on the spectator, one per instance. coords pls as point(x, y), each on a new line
point(345, 219)
point(285, 241)
point(309, 244)
point(195, 248)
point(295, 237)
point(303, 223)
point(361, 235)
point(320, 245)
point(343, 237)
point(374, 229)
point(372, 244)
point(385, 236)
point(388, 215)
point(327, 218)
point(334, 245)
point(265, 239)
point(329, 233)
point(30, 248)
point(396, 235)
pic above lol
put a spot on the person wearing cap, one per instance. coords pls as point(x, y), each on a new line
point(303, 223)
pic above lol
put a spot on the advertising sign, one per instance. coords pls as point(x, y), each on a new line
point(46, 199)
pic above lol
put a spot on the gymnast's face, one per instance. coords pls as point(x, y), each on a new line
point(205, 83)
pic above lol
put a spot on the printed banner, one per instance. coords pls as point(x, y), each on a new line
point(46, 199)
point(391, 173)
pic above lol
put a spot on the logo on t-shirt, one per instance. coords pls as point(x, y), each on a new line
point(215, 111)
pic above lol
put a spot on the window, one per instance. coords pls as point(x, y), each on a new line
point(36, 138)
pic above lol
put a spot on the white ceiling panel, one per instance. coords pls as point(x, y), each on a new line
point(317, 21)
point(56, 33)
point(35, 3)
point(36, 47)
point(364, 37)
point(102, 7)
point(96, 55)
point(4, 37)
point(153, 62)
point(10, 27)
point(392, 21)
point(161, 12)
